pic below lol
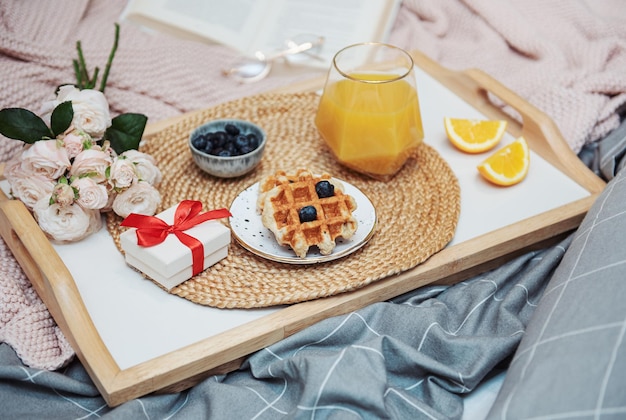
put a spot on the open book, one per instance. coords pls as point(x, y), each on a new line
point(265, 25)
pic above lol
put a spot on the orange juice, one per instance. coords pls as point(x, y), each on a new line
point(371, 122)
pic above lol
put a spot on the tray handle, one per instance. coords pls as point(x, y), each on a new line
point(43, 267)
point(544, 137)
point(20, 232)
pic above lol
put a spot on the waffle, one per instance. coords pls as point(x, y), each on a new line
point(281, 196)
point(282, 177)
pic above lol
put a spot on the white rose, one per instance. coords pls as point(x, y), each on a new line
point(122, 174)
point(92, 163)
point(63, 195)
point(30, 188)
point(66, 224)
point(91, 109)
point(140, 198)
point(26, 187)
point(91, 195)
point(75, 142)
point(145, 165)
point(47, 158)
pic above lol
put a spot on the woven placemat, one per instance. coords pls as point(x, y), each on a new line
point(418, 209)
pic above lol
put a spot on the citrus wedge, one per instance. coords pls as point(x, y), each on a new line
point(472, 135)
point(508, 165)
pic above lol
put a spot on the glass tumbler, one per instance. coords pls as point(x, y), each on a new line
point(369, 113)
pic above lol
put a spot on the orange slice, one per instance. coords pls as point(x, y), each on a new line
point(474, 136)
point(507, 166)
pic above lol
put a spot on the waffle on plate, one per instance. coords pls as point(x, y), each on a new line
point(303, 210)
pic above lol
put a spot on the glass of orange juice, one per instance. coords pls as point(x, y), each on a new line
point(369, 113)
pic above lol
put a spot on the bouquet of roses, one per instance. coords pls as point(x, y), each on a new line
point(78, 161)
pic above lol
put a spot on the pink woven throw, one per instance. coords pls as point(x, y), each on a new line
point(567, 58)
point(25, 323)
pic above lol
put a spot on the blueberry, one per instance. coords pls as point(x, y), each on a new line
point(307, 214)
point(199, 142)
point(224, 153)
point(242, 142)
point(253, 140)
point(246, 150)
point(219, 138)
point(232, 149)
point(231, 129)
point(324, 189)
point(208, 147)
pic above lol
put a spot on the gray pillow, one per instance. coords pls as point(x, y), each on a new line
point(571, 362)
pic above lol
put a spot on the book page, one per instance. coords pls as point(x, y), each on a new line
point(233, 23)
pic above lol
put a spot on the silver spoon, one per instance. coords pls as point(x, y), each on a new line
point(253, 68)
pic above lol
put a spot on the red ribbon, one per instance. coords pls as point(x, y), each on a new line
point(152, 231)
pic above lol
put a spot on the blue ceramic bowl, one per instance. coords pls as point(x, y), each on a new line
point(227, 166)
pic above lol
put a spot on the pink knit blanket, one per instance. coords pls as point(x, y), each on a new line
point(567, 58)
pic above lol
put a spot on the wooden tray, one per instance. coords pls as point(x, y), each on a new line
point(223, 352)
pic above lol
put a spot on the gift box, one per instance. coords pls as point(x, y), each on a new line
point(170, 262)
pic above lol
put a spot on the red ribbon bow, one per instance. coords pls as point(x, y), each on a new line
point(152, 231)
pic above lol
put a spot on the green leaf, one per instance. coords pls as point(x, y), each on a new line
point(22, 124)
point(126, 131)
point(61, 118)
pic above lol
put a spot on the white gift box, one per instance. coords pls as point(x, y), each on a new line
point(170, 263)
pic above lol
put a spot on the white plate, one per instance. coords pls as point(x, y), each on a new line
point(249, 231)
